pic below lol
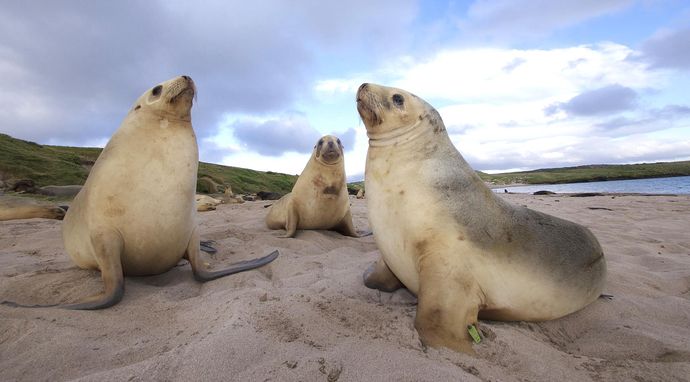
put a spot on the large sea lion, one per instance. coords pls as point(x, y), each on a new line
point(319, 198)
point(136, 213)
point(444, 235)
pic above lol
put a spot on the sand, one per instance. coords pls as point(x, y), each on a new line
point(308, 317)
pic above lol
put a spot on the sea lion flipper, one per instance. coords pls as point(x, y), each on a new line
point(291, 220)
point(442, 317)
point(201, 273)
point(108, 245)
point(207, 246)
point(345, 226)
point(379, 276)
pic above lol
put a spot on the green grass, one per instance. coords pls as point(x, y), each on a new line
point(591, 173)
point(45, 165)
point(243, 180)
point(60, 165)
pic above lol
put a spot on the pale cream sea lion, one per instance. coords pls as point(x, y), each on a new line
point(319, 198)
point(206, 203)
point(444, 235)
point(117, 223)
point(14, 211)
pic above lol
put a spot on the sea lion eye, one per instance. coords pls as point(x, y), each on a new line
point(398, 100)
point(157, 90)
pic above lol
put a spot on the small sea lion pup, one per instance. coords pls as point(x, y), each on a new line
point(319, 198)
point(444, 235)
point(117, 223)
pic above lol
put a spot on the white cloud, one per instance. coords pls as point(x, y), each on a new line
point(479, 74)
point(493, 103)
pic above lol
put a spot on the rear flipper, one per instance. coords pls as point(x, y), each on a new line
point(107, 246)
point(207, 246)
point(203, 274)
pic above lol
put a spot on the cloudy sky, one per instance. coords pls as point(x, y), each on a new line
point(520, 84)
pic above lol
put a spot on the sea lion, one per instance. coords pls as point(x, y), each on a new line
point(266, 195)
point(444, 235)
point(23, 186)
point(60, 191)
point(360, 194)
point(319, 198)
point(117, 224)
point(206, 203)
point(29, 211)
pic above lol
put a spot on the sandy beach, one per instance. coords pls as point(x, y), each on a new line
point(308, 317)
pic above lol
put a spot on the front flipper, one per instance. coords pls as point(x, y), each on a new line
point(379, 276)
point(201, 273)
point(108, 246)
point(291, 220)
point(447, 304)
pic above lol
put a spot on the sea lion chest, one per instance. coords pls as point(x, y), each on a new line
point(321, 197)
point(398, 209)
point(143, 186)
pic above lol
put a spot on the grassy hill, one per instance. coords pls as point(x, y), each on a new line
point(591, 173)
point(60, 165)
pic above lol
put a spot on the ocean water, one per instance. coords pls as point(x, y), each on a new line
point(674, 185)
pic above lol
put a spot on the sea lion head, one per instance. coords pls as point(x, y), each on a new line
point(328, 150)
point(389, 113)
point(172, 98)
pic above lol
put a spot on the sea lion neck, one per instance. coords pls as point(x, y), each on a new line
point(398, 136)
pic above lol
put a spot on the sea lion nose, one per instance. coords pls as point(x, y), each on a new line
point(330, 144)
point(188, 78)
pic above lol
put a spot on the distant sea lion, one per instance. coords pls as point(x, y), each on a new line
point(228, 191)
point(23, 185)
point(29, 211)
point(319, 198)
point(442, 233)
point(60, 191)
point(265, 195)
point(360, 194)
point(118, 223)
point(206, 203)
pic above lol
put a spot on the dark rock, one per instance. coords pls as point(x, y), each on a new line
point(264, 195)
point(544, 192)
